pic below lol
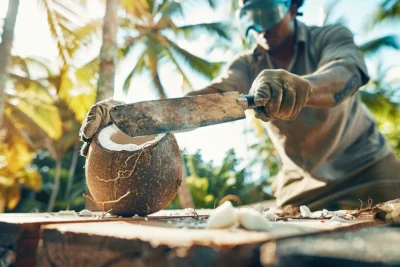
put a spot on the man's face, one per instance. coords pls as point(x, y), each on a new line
point(279, 33)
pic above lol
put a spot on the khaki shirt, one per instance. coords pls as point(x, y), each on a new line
point(323, 145)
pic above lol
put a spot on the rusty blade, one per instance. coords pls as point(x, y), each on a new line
point(176, 114)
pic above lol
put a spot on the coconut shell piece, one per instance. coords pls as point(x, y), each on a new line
point(138, 182)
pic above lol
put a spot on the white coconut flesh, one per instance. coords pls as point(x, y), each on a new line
point(112, 138)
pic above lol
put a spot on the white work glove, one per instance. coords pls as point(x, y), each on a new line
point(97, 117)
point(279, 94)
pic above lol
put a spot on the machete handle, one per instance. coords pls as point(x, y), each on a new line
point(246, 101)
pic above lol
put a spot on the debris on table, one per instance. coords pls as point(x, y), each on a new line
point(252, 219)
point(67, 213)
point(305, 212)
point(85, 213)
point(223, 217)
point(226, 216)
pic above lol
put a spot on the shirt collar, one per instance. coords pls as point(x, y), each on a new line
point(301, 37)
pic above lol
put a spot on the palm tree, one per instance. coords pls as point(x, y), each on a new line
point(154, 33)
point(108, 53)
point(5, 51)
point(39, 118)
point(48, 121)
point(370, 47)
point(30, 115)
point(388, 10)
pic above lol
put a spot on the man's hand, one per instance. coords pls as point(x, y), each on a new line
point(279, 94)
point(97, 116)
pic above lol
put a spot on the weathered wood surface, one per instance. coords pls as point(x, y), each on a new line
point(19, 232)
point(378, 246)
point(165, 243)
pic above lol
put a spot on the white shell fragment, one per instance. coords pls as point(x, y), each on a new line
point(305, 212)
point(337, 220)
point(85, 212)
point(349, 217)
point(339, 213)
point(270, 216)
point(125, 142)
point(253, 220)
point(223, 216)
point(189, 211)
point(325, 212)
point(67, 213)
point(259, 208)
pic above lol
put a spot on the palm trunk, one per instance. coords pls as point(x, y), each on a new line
point(54, 193)
point(71, 172)
point(108, 52)
point(5, 51)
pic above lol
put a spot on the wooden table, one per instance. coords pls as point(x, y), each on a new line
point(167, 238)
point(20, 232)
point(179, 242)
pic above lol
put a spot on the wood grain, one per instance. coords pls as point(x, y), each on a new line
point(20, 232)
point(378, 246)
point(163, 243)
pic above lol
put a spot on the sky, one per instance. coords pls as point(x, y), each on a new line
point(32, 38)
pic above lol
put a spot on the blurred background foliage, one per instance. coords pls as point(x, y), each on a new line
point(43, 103)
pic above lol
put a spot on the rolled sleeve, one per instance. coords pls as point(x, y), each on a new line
point(235, 77)
point(337, 43)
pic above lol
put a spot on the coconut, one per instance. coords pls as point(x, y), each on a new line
point(128, 176)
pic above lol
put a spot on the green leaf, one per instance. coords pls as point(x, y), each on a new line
point(197, 64)
point(193, 31)
point(373, 46)
point(388, 10)
point(13, 196)
point(170, 8)
point(78, 90)
point(138, 68)
point(37, 105)
point(56, 31)
point(135, 8)
point(185, 79)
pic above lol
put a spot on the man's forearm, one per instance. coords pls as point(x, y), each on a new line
point(333, 84)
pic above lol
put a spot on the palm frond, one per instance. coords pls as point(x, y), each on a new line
point(83, 36)
point(329, 11)
point(38, 106)
point(197, 64)
point(56, 31)
point(186, 82)
point(129, 46)
point(138, 68)
point(388, 10)
point(136, 8)
point(218, 29)
point(17, 61)
point(213, 3)
point(373, 46)
point(26, 64)
point(22, 126)
point(78, 90)
point(157, 83)
point(152, 62)
point(381, 106)
point(25, 82)
point(170, 8)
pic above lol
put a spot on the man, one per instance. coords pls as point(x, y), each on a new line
point(305, 81)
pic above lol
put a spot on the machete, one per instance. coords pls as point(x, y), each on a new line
point(180, 114)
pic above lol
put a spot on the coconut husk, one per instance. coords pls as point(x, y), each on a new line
point(139, 182)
